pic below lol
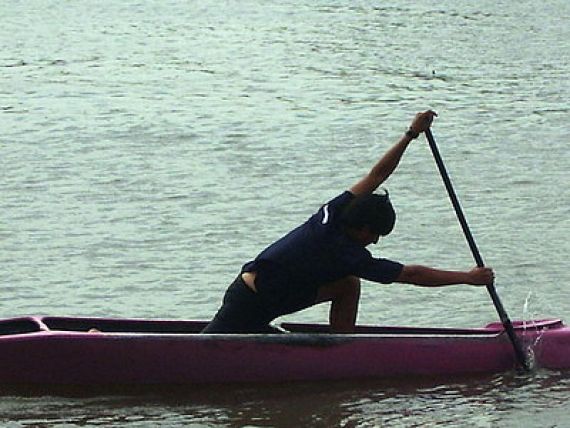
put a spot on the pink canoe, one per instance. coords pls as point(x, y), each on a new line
point(100, 351)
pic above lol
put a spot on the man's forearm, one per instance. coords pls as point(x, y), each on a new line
point(430, 277)
point(388, 163)
point(383, 168)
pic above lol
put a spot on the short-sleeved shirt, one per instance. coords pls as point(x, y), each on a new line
point(291, 270)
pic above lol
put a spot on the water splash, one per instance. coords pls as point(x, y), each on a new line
point(531, 343)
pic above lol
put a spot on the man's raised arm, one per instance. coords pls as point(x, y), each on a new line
point(388, 163)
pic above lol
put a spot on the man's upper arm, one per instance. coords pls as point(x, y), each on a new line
point(365, 186)
point(380, 270)
point(408, 275)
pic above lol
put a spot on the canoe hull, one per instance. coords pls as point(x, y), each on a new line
point(173, 352)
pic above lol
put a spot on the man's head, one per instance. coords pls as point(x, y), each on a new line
point(369, 215)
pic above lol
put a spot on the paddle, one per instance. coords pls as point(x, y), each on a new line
point(521, 356)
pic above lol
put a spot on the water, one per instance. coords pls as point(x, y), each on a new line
point(150, 148)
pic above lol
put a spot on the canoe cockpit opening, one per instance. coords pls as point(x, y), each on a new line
point(103, 325)
point(19, 326)
point(26, 325)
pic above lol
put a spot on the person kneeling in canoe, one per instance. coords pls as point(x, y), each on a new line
point(324, 259)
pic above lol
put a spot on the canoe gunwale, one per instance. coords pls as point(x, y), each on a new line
point(116, 327)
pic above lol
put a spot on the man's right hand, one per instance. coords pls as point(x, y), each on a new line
point(481, 276)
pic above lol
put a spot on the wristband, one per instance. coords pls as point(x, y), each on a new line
point(412, 134)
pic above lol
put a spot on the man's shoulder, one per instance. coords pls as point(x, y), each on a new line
point(344, 198)
point(329, 212)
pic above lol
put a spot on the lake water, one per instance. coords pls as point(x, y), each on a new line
point(150, 148)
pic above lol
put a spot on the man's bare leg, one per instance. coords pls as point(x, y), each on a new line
point(344, 295)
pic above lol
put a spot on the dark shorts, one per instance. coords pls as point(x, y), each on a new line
point(242, 311)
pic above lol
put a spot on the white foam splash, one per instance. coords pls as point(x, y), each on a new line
point(529, 322)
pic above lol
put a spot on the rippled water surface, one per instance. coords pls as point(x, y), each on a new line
point(150, 148)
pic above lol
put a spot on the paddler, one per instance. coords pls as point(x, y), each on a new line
point(325, 258)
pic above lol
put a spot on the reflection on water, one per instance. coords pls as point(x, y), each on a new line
point(480, 401)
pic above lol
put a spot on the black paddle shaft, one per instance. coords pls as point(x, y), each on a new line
point(521, 356)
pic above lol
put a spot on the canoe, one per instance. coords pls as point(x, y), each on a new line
point(106, 351)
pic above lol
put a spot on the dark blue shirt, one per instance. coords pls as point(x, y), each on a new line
point(290, 271)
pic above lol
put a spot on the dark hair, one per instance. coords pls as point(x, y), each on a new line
point(372, 210)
